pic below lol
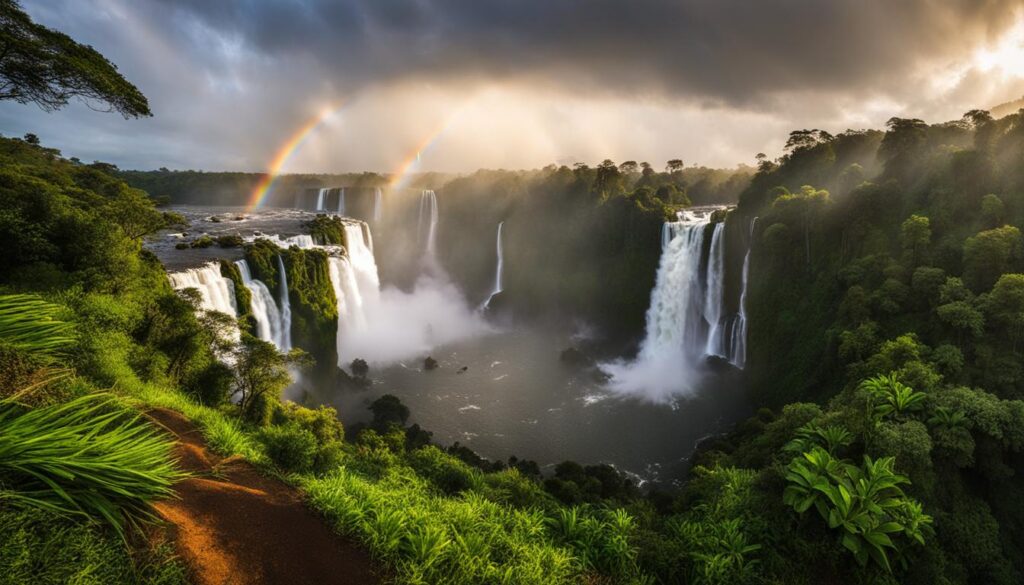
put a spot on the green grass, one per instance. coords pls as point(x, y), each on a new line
point(38, 547)
point(30, 324)
point(88, 457)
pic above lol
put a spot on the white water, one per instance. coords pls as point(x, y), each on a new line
point(264, 309)
point(386, 326)
point(321, 198)
point(427, 224)
point(738, 347)
point(714, 292)
point(378, 205)
point(341, 201)
point(217, 292)
point(304, 241)
point(501, 267)
point(286, 305)
point(676, 331)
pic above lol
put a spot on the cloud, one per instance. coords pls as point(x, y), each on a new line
point(516, 83)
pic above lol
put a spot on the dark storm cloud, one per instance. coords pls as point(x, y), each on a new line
point(720, 51)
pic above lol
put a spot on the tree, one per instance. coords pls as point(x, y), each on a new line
point(629, 167)
point(992, 210)
point(261, 374)
point(48, 68)
point(915, 237)
point(387, 410)
point(674, 165)
point(1005, 306)
point(360, 369)
point(990, 254)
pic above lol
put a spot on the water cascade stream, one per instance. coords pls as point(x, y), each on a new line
point(286, 306)
point(501, 267)
point(269, 324)
point(217, 292)
point(378, 204)
point(341, 201)
point(321, 199)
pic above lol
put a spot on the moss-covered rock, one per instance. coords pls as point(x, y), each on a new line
point(327, 230)
point(243, 296)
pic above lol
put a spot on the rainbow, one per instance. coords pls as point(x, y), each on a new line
point(400, 178)
point(266, 183)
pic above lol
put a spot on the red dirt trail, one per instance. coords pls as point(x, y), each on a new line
point(241, 528)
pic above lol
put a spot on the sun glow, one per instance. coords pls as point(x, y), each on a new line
point(1006, 56)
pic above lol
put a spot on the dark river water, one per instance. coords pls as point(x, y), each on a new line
point(515, 396)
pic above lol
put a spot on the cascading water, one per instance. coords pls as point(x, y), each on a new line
point(738, 346)
point(264, 309)
point(217, 292)
point(286, 306)
point(321, 199)
point(714, 293)
point(378, 205)
point(356, 285)
point(428, 222)
point(341, 201)
point(498, 272)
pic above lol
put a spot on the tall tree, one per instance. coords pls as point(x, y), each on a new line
point(46, 67)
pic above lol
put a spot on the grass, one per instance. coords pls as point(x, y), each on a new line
point(89, 457)
point(30, 324)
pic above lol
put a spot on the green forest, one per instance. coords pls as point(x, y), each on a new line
point(885, 365)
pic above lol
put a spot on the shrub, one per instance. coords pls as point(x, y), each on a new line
point(290, 447)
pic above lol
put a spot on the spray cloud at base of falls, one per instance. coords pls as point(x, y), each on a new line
point(686, 320)
point(387, 325)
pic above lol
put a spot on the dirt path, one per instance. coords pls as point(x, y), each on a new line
point(239, 527)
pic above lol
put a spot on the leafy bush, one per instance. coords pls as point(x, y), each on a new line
point(290, 447)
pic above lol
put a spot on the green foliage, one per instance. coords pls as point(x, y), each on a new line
point(865, 505)
point(890, 398)
point(87, 457)
point(45, 67)
point(30, 324)
point(290, 447)
point(327, 230)
point(38, 547)
point(990, 254)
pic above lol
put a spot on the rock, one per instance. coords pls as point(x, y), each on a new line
point(463, 370)
point(430, 364)
point(720, 364)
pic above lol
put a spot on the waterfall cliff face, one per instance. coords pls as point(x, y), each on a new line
point(286, 305)
point(688, 318)
point(269, 324)
point(739, 333)
point(217, 292)
point(499, 270)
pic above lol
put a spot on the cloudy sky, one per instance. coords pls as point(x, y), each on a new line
point(518, 83)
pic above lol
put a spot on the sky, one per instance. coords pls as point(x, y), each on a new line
point(469, 84)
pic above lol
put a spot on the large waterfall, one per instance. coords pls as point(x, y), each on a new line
point(321, 199)
point(269, 324)
point(217, 292)
point(688, 318)
point(286, 305)
point(501, 267)
point(341, 201)
point(356, 286)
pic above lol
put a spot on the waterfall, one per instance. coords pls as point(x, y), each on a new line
point(714, 293)
point(286, 306)
point(428, 221)
point(356, 285)
point(738, 345)
point(498, 272)
point(683, 302)
point(378, 204)
point(321, 199)
point(341, 201)
point(217, 292)
point(264, 310)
